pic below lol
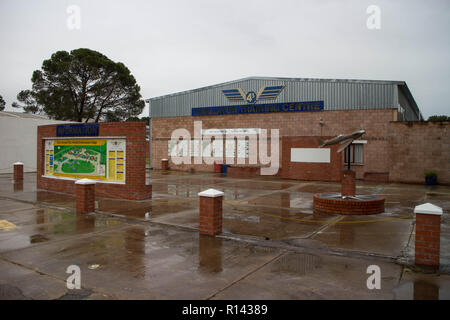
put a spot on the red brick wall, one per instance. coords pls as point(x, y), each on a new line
point(18, 172)
point(210, 219)
point(85, 197)
point(417, 147)
point(242, 171)
point(375, 122)
point(134, 187)
point(147, 148)
point(308, 170)
point(427, 242)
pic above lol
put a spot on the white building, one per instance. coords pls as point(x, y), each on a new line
point(18, 136)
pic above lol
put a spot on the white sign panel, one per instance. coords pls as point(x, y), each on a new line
point(206, 149)
point(242, 148)
point(195, 148)
point(244, 131)
point(217, 148)
point(315, 155)
point(230, 148)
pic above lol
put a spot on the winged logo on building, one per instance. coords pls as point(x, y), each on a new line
point(265, 93)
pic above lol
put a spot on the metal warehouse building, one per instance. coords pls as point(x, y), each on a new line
point(304, 110)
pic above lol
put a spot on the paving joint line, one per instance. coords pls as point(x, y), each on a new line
point(40, 273)
point(246, 275)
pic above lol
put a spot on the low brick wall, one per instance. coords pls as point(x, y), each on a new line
point(134, 188)
point(376, 176)
point(210, 215)
point(243, 171)
point(347, 207)
point(18, 171)
point(418, 147)
point(308, 170)
point(85, 197)
point(427, 242)
point(348, 184)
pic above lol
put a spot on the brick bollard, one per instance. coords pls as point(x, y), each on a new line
point(18, 171)
point(428, 235)
point(210, 212)
point(348, 187)
point(164, 164)
point(85, 195)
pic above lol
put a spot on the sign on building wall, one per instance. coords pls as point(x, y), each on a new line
point(98, 159)
point(313, 155)
point(307, 106)
point(78, 130)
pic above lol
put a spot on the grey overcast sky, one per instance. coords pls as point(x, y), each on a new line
point(171, 46)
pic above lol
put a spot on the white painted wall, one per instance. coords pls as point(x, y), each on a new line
point(18, 142)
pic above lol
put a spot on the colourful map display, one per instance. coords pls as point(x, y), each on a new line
point(98, 159)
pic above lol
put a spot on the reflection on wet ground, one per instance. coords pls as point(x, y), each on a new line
point(151, 249)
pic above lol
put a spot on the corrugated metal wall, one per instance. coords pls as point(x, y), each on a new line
point(336, 94)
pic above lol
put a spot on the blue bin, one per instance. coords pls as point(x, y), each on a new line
point(224, 168)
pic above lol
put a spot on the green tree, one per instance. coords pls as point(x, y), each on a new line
point(80, 86)
point(2, 104)
point(439, 118)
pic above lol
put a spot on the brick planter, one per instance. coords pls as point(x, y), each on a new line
point(85, 195)
point(428, 235)
point(348, 185)
point(210, 220)
point(348, 207)
point(18, 171)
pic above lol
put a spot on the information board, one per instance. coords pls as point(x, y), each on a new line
point(97, 159)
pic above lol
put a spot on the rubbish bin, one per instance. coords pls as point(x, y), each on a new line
point(224, 168)
point(217, 167)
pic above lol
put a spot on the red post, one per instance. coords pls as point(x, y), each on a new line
point(348, 185)
point(428, 235)
point(18, 171)
point(85, 195)
point(164, 164)
point(210, 212)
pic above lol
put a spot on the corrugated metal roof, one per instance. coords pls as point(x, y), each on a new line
point(12, 114)
point(229, 83)
point(337, 94)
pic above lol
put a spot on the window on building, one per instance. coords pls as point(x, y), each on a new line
point(356, 153)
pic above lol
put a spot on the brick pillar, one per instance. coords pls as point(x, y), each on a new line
point(18, 171)
point(210, 212)
point(428, 234)
point(85, 195)
point(348, 187)
point(164, 164)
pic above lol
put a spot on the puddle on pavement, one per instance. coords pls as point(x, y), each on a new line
point(271, 223)
point(146, 209)
point(375, 233)
point(296, 263)
point(44, 225)
point(318, 188)
point(258, 185)
point(36, 238)
point(209, 254)
point(285, 200)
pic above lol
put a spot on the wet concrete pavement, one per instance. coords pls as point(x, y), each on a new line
point(273, 245)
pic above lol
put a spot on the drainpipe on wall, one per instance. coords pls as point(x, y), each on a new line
point(150, 131)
